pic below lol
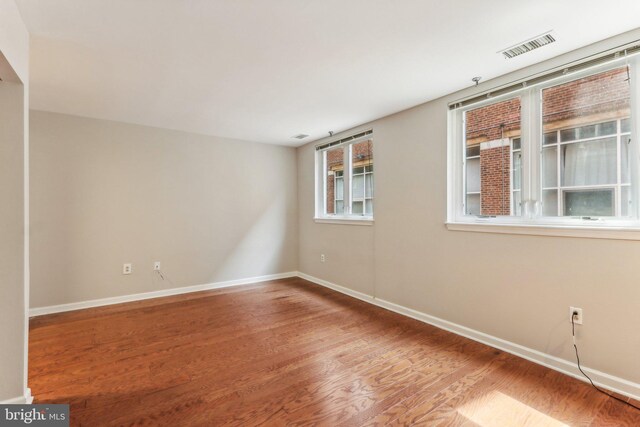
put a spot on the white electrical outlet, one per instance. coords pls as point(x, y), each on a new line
point(578, 319)
point(156, 266)
point(127, 268)
point(322, 258)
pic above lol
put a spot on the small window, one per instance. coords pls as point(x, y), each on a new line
point(589, 202)
point(347, 184)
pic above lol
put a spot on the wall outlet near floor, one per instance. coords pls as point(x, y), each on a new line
point(578, 318)
point(156, 266)
point(127, 268)
point(322, 258)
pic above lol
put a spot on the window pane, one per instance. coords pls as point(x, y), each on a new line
point(339, 207)
point(369, 207)
point(473, 204)
point(550, 167)
point(626, 125)
point(517, 170)
point(550, 138)
point(333, 166)
point(587, 132)
point(339, 188)
point(589, 163)
point(589, 203)
point(568, 135)
point(625, 198)
point(368, 185)
point(608, 128)
point(492, 128)
point(362, 178)
point(473, 176)
point(517, 203)
point(550, 203)
point(358, 187)
point(625, 172)
point(473, 151)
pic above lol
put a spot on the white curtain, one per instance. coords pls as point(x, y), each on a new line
point(358, 187)
point(590, 163)
point(339, 188)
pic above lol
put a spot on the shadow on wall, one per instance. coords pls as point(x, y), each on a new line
point(107, 193)
point(263, 244)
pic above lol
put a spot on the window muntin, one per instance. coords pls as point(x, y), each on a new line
point(551, 181)
point(347, 191)
point(591, 202)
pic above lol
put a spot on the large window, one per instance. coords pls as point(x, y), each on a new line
point(558, 152)
point(345, 184)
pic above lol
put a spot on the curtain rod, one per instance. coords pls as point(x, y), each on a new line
point(343, 140)
point(619, 52)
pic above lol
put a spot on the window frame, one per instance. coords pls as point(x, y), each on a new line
point(347, 217)
point(531, 141)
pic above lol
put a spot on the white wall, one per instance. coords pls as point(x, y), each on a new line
point(517, 288)
point(14, 265)
point(105, 193)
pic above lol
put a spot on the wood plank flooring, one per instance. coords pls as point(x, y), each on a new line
point(289, 352)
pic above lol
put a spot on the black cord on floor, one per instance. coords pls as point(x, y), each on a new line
point(573, 332)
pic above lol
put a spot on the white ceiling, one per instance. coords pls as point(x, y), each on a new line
point(265, 70)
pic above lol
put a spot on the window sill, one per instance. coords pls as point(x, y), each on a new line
point(344, 220)
point(580, 231)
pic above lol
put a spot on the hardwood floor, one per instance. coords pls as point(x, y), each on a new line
point(288, 352)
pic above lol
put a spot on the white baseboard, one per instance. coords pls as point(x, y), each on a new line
point(359, 295)
point(602, 379)
point(21, 400)
point(40, 311)
point(610, 382)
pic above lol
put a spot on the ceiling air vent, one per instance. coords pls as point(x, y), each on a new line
point(528, 46)
point(300, 136)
